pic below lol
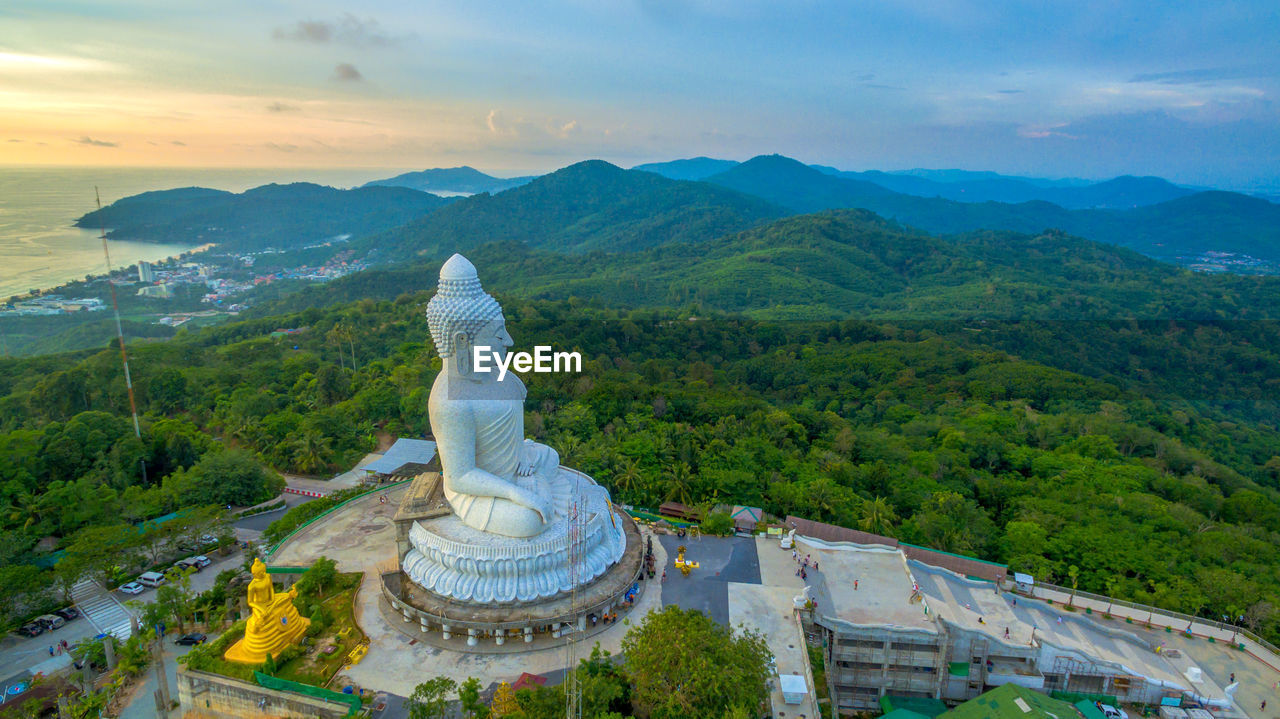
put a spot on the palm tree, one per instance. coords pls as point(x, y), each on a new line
point(680, 479)
point(309, 452)
point(627, 477)
point(23, 507)
point(1074, 573)
point(877, 516)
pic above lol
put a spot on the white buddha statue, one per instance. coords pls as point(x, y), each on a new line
point(518, 516)
point(495, 480)
point(520, 521)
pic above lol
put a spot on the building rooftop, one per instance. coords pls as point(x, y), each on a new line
point(884, 586)
point(963, 603)
point(1012, 702)
point(411, 454)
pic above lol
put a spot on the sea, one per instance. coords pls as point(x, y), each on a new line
point(40, 248)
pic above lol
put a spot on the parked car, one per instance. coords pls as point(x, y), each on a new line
point(185, 564)
point(208, 539)
point(151, 579)
point(31, 629)
point(68, 613)
point(190, 640)
point(201, 561)
point(132, 588)
point(1112, 712)
point(51, 621)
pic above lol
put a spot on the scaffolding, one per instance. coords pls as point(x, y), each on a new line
point(576, 525)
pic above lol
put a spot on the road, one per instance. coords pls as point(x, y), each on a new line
point(18, 654)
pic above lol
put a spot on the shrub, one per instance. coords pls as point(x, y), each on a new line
point(718, 523)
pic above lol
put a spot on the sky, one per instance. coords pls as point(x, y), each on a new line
point(1184, 90)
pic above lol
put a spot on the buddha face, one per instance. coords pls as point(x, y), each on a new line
point(492, 339)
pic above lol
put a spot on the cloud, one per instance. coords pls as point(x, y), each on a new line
point(1009, 92)
point(20, 62)
point(346, 72)
point(283, 107)
point(493, 122)
point(96, 143)
point(1203, 75)
point(280, 147)
point(346, 30)
point(179, 143)
point(15, 140)
point(568, 127)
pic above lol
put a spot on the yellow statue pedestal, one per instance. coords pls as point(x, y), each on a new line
point(275, 624)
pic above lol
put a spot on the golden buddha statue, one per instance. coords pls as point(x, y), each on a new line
point(274, 624)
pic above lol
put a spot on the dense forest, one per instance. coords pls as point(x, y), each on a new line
point(867, 424)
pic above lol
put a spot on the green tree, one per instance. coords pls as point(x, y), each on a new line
point(878, 516)
point(708, 671)
point(322, 573)
point(469, 698)
point(430, 699)
point(232, 476)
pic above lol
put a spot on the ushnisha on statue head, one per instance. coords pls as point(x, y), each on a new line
point(461, 317)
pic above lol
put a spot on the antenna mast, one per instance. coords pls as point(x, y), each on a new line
point(115, 306)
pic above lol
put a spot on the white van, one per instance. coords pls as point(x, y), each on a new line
point(151, 579)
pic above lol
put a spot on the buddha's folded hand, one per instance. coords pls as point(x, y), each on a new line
point(536, 458)
point(537, 502)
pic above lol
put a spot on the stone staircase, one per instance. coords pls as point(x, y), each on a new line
point(102, 609)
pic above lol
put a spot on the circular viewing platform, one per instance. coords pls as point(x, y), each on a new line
point(485, 626)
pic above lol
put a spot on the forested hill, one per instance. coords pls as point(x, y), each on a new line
point(881, 426)
point(1190, 225)
point(271, 216)
point(586, 206)
point(451, 179)
point(1096, 309)
point(852, 263)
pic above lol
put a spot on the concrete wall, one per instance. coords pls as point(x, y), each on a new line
point(213, 696)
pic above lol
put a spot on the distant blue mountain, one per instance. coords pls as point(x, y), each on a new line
point(462, 180)
point(696, 168)
point(964, 186)
point(1188, 225)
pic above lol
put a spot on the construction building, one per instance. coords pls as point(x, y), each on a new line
point(893, 626)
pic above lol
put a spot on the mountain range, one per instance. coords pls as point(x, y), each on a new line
point(590, 205)
point(594, 205)
point(1177, 230)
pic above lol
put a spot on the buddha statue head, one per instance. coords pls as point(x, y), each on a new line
point(461, 317)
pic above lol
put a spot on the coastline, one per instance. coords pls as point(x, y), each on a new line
point(118, 265)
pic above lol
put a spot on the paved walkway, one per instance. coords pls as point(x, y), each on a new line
point(769, 608)
point(360, 537)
